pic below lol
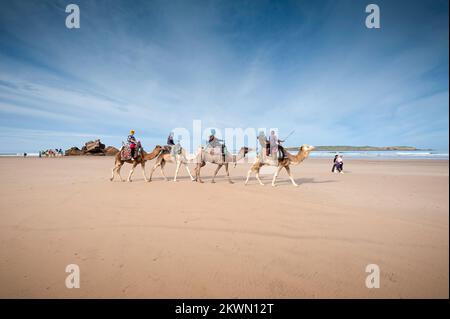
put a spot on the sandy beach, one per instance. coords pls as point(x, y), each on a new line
point(188, 240)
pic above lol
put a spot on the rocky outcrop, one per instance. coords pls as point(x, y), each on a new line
point(93, 147)
point(96, 148)
point(111, 151)
point(73, 151)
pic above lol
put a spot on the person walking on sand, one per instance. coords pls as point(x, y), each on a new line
point(338, 164)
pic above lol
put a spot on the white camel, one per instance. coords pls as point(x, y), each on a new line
point(215, 156)
point(288, 160)
point(179, 158)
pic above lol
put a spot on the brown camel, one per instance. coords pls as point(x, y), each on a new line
point(289, 159)
point(140, 159)
point(217, 158)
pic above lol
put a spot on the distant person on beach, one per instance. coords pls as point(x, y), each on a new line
point(338, 164)
point(132, 143)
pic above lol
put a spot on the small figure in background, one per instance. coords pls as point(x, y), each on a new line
point(338, 164)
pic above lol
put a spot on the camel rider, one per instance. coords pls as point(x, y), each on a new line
point(276, 150)
point(170, 141)
point(132, 143)
point(176, 149)
point(213, 142)
point(264, 143)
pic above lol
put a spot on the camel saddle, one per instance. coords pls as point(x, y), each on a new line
point(125, 152)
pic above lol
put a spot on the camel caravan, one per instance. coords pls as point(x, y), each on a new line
point(271, 154)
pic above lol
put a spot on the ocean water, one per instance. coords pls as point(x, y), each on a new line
point(434, 154)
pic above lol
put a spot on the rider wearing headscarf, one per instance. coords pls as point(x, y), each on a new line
point(213, 141)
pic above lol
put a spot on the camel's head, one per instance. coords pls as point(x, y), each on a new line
point(158, 149)
point(306, 149)
point(245, 150)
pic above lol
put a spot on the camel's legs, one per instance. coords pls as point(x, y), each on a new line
point(117, 168)
point(113, 173)
point(259, 179)
point(143, 172)
point(219, 166)
point(288, 170)
point(162, 170)
point(118, 173)
point(228, 173)
point(153, 169)
point(248, 176)
point(255, 168)
point(189, 172)
point(276, 174)
point(176, 171)
point(131, 171)
point(197, 173)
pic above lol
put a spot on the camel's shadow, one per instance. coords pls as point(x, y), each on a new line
point(170, 178)
point(299, 181)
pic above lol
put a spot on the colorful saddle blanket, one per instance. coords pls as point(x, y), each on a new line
point(125, 153)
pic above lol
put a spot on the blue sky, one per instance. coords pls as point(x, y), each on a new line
point(311, 66)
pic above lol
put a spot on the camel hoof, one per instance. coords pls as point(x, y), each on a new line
point(213, 182)
point(231, 182)
point(111, 179)
point(295, 185)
